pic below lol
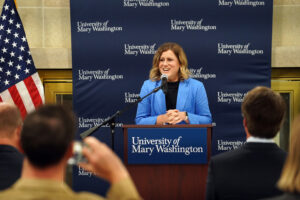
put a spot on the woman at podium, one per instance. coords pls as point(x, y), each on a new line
point(183, 99)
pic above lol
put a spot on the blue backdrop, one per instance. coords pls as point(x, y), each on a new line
point(227, 42)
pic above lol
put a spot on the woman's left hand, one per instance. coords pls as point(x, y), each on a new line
point(175, 116)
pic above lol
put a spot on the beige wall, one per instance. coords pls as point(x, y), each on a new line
point(48, 31)
point(47, 25)
point(286, 33)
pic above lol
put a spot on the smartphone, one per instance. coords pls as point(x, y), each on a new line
point(77, 153)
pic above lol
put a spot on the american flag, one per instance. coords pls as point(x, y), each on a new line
point(19, 81)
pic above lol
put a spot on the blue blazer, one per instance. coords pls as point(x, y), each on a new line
point(191, 98)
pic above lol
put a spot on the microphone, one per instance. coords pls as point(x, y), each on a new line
point(164, 85)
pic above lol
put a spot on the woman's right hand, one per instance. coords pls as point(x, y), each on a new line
point(162, 119)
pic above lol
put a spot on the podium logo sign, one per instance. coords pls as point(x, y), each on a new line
point(167, 146)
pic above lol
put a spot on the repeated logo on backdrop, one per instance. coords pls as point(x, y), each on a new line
point(203, 67)
point(98, 26)
point(201, 73)
point(238, 49)
point(145, 3)
point(83, 172)
point(113, 43)
point(251, 3)
point(227, 145)
point(89, 75)
point(191, 25)
point(230, 97)
point(137, 49)
point(131, 97)
point(91, 122)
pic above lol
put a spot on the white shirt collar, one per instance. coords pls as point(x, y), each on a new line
point(261, 140)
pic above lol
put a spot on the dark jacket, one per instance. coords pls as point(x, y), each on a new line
point(11, 162)
point(285, 196)
point(250, 172)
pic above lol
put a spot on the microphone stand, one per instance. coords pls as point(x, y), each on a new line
point(112, 120)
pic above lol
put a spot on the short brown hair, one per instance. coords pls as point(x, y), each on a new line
point(184, 72)
point(264, 111)
point(10, 119)
point(290, 176)
point(47, 133)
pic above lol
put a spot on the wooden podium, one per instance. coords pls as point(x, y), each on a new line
point(169, 181)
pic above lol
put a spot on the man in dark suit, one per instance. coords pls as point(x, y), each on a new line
point(11, 160)
point(251, 172)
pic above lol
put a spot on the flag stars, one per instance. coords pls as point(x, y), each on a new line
point(28, 62)
point(4, 50)
point(10, 63)
point(17, 76)
point(18, 67)
point(3, 17)
point(6, 7)
point(6, 40)
point(14, 44)
point(8, 73)
point(8, 31)
point(15, 58)
point(22, 48)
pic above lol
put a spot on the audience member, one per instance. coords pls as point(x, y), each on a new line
point(11, 160)
point(289, 181)
point(251, 171)
point(46, 140)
